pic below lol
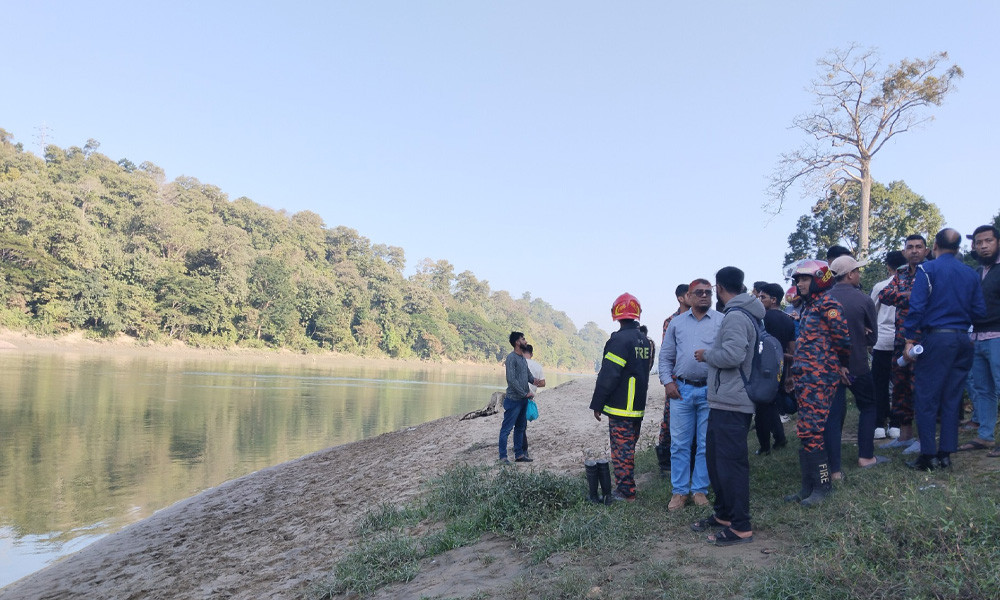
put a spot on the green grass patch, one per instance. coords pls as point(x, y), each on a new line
point(885, 533)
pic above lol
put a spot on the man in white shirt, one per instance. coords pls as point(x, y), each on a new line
point(536, 371)
point(885, 316)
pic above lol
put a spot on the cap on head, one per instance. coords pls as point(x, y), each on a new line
point(626, 306)
point(842, 265)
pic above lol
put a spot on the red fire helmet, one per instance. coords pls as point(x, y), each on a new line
point(819, 270)
point(626, 306)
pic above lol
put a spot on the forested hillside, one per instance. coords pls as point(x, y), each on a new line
point(109, 247)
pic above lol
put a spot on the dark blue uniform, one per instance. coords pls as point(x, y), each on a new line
point(946, 298)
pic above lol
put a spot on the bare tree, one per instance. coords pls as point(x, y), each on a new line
point(858, 108)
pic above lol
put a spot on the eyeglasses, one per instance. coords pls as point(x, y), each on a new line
point(702, 293)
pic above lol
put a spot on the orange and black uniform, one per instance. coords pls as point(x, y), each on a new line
point(897, 294)
point(620, 393)
point(823, 345)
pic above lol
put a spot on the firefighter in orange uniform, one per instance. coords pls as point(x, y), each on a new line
point(822, 347)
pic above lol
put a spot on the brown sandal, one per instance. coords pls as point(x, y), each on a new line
point(976, 444)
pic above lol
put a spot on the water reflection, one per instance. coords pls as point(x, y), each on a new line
point(89, 444)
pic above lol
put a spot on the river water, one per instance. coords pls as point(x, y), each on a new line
point(89, 444)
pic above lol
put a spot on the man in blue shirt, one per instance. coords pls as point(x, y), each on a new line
point(946, 298)
point(685, 380)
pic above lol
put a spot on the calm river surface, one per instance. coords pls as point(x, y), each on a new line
point(89, 444)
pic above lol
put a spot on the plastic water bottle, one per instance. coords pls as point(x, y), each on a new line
point(915, 351)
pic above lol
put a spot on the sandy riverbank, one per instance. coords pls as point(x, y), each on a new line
point(276, 531)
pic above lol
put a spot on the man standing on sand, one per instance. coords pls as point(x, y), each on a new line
point(663, 443)
point(730, 411)
point(620, 391)
point(516, 400)
point(685, 381)
point(536, 371)
point(946, 300)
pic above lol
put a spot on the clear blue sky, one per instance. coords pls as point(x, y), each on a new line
point(574, 150)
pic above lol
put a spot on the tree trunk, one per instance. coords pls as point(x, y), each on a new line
point(866, 200)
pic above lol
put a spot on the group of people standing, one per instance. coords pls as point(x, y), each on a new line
point(710, 352)
point(835, 337)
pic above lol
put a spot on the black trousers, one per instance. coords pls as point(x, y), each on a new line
point(881, 368)
point(768, 423)
point(729, 465)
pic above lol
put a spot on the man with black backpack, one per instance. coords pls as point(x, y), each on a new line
point(730, 360)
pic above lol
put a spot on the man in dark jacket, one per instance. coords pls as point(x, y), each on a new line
point(859, 310)
point(986, 339)
point(620, 391)
point(730, 411)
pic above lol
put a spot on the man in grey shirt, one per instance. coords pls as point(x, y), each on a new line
point(516, 399)
point(730, 411)
point(685, 381)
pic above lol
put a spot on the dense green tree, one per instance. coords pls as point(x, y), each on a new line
point(110, 247)
point(860, 107)
point(897, 211)
point(471, 291)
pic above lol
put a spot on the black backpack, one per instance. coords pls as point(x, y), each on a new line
point(765, 370)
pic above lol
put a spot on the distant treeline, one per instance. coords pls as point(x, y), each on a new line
point(109, 247)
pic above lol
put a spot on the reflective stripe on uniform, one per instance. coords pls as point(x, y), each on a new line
point(615, 359)
point(627, 411)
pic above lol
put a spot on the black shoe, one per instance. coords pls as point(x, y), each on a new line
point(592, 481)
point(926, 462)
point(779, 445)
point(663, 460)
point(762, 452)
point(523, 459)
point(944, 460)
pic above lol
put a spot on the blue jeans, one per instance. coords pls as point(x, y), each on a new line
point(985, 385)
point(688, 419)
point(513, 418)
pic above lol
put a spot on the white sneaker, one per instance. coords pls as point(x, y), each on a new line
point(913, 449)
point(893, 432)
point(784, 418)
point(880, 433)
